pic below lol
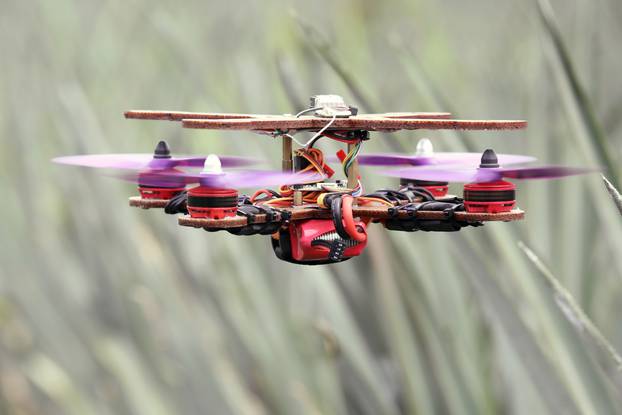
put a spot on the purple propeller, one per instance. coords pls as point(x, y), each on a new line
point(234, 179)
point(214, 177)
point(389, 159)
point(425, 156)
point(488, 171)
point(161, 159)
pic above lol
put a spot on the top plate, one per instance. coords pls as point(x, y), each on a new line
point(289, 123)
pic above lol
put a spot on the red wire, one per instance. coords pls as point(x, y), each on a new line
point(348, 219)
point(337, 138)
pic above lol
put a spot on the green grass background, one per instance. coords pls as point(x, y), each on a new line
point(106, 309)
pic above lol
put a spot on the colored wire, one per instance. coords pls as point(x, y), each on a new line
point(358, 190)
point(350, 157)
point(315, 157)
point(340, 138)
point(307, 110)
point(348, 219)
point(294, 139)
point(365, 200)
point(316, 163)
point(320, 133)
point(317, 135)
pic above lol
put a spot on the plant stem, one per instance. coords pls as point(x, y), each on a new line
point(571, 308)
point(615, 195)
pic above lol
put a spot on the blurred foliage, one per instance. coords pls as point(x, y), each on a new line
point(109, 310)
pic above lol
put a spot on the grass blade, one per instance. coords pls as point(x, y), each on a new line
point(581, 100)
point(615, 195)
point(571, 308)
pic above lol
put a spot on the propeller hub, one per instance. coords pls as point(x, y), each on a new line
point(424, 148)
point(212, 165)
point(162, 151)
point(489, 160)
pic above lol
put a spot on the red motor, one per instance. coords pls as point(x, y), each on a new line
point(158, 192)
point(438, 189)
point(205, 202)
point(318, 240)
point(166, 193)
point(490, 197)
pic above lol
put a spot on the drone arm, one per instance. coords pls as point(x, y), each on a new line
point(407, 115)
point(351, 123)
point(180, 115)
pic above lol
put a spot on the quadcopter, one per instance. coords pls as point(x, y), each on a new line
point(309, 218)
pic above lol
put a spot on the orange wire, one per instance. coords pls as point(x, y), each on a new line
point(315, 157)
point(259, 193)
point(363, 201)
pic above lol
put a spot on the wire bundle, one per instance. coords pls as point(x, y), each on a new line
point(285, 196)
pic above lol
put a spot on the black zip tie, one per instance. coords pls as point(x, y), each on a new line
point(244, 200)
point(250, 216)
point(450, 213)
point(286, 215)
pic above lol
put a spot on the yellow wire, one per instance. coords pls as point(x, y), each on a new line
point(374, 199)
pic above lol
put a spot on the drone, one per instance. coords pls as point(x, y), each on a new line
point(311, 217)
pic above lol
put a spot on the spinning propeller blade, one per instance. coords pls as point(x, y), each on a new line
point(545, 172)
point(425, 156)
point(161, 159)
point(235, 179)
point(488, 171)
point(213, 176)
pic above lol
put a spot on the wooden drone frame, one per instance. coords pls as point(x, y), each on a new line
point(315, 212)
point(286, 125)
